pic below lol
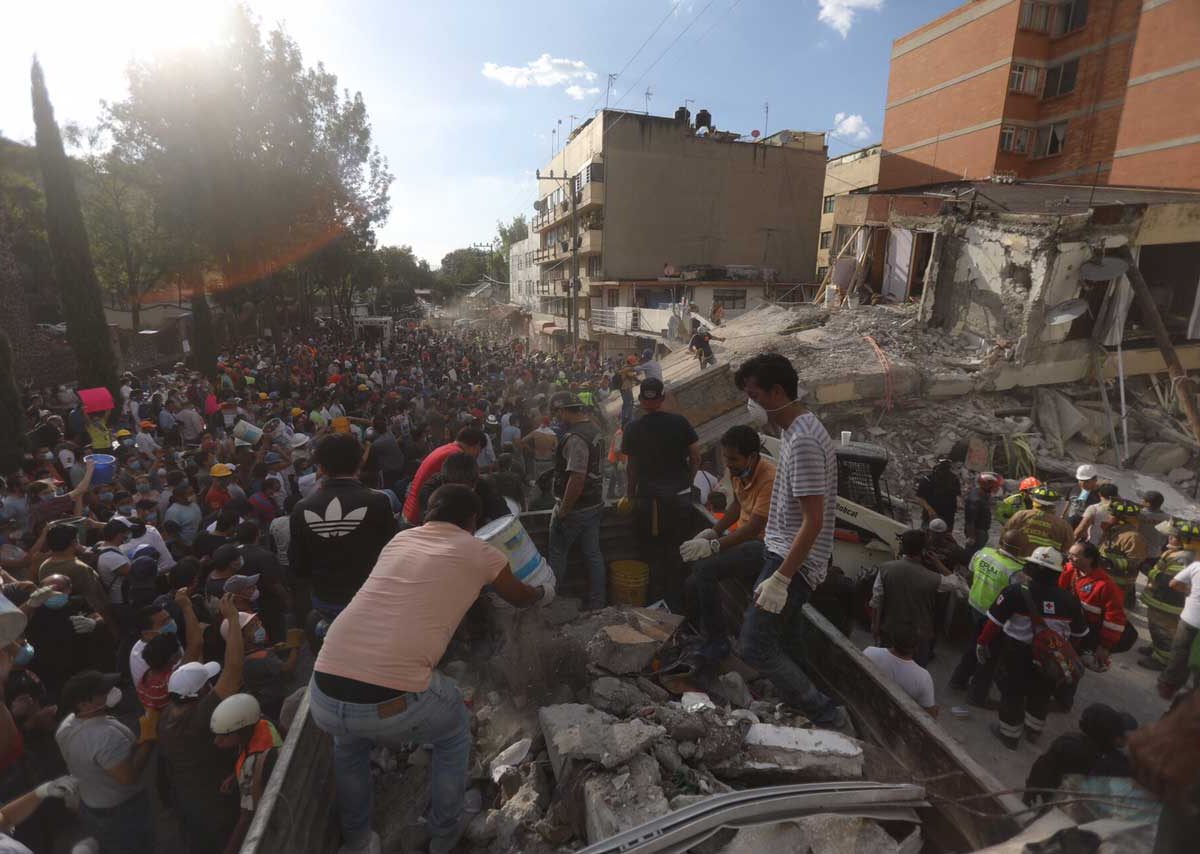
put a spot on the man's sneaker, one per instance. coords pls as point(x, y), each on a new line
point(1151, 663)
point(445, 844)
point(373, 845)
point(1010, 743)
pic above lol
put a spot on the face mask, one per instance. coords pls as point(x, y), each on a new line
point(106, 497)
point(151, 518)
point(143, 487)
point(24, 654)
point(47, 456)
point(229, 418)
point(57, 601)
point(125, 509)
point(66, 458)
point(255, 594)
point(259, 636)
point(136, 465)
point(114, 697)
point(127, 442)
point(162, 472)
point(168, 628)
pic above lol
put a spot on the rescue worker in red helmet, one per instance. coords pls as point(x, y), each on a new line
point(1019, 500)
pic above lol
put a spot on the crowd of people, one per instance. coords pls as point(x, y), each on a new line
point(181, 561)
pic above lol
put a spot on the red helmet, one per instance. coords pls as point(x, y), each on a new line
point(1029, 483)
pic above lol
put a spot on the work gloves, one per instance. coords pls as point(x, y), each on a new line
point(708, 534)
point(982, 653)
point(65, 787)
point(83, 625)
point(698, 549)
point(39, 596)
point(771, 595)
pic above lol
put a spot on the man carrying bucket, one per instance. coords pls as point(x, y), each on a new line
point(578, 494)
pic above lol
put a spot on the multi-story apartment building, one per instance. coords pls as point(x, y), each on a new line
point(856, 170)
point(524, 274)
point(660, 212)
point(1076, 91)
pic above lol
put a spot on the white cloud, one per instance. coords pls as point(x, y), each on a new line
point(840, 14)
point(579, 93)
point(545, 72)
point(851, 127)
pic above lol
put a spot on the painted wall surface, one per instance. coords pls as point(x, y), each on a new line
point(523, 272)
point(843, 174)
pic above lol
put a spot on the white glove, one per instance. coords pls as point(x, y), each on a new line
point(37, 597)
point(83, 625)
point(547, 595)
point(772, 594)
point(981, 653)
point(63, 787)
point(698, 549)
point(708, 534)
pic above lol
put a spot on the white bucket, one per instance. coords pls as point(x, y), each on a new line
point(527, 564)
point(12, 622)
point(247, 432)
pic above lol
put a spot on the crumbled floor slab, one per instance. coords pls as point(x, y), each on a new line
point(575, 731)
point(819, 834)
point(779, 753)
point(623, 799)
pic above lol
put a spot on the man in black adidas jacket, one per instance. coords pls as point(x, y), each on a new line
point(339, 530)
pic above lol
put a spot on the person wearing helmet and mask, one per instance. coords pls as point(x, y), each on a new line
point(977, 510)
point(263, 673)
point(238, 724)
point(1024, 691)
point(1163, 603)
point(1041, 526)
point(1124, 548)
point(992, 570)
point(1019, 500)
point(1083, 496)
point(58, 629)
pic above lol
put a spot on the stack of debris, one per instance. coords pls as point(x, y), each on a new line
point(606, 747)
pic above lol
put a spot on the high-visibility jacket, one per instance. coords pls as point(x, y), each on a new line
point(991, 571)
point(1010, 505)
point(1102, 600)
point(1158, 593)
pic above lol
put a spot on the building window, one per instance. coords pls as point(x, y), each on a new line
point(593, 266)
point(827, 205)
point(732, 299)
point(1035, 15)
point(612, 298)
point(1050, 140)
point(1061, 79)
point(1023, 79)
point(826, 236)
point(821, 271)
point(1068, 17)
point(1014, 139)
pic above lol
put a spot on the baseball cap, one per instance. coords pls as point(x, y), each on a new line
point(85, 685)
point(651, 389)
point(220, 470)
point(238, 583)
point(296, 410)
point(244, 617)
point(225, 555)
point(187, 680)
point(565, 400)
point(272, 458)
point(938, 526)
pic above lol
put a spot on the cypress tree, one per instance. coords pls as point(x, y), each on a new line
point(12, 428)
point(71, 256)
point(204, 354)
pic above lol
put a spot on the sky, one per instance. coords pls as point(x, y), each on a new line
point(466, 96)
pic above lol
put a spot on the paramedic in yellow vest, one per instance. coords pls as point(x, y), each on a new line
point(1041, 526)
point(1123, 547)
point(1019, 500)
point(992, 569)
point(1164, 604)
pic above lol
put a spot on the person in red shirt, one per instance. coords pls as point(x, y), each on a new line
point(470, 440)
point(1102, 601)
point(218, 495)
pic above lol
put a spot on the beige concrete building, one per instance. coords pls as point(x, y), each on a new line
point(670, 217)
point(857, 170)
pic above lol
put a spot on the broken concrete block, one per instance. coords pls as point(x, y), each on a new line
point(614, 803)
point(826, 833)
point(1161, 457)
point(577, 732)
point(654, 691)
point(1180, 475)
point(521, 810)
point(622, 649)
point(616, 696)
point(696, 701)
point(668, 756)
point(560, 611)
point(787, 753)
point(733, 686)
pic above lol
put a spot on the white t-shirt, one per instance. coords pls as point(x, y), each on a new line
point(1191, 606)
point(137, 665)
point(110, 561)
point(913, 679)
point(705, 483)
point(1095, 516)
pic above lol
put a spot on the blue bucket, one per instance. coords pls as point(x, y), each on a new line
point(106, 468)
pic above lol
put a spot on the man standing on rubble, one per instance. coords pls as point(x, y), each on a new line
point(578, 494)
point(1083, 496)
point(938, 493)
point(1041, 526)
point(375, 682)
point(798, 538)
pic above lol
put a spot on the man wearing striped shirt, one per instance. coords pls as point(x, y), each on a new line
point(798, 539)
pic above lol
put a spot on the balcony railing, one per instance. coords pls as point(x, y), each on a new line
point(590, 196)
point(627, 320)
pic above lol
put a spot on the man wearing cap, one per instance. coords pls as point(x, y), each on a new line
point(1082, 496)
point(1024, 691)
point(469, 440)
point(578, 494)
point(1163, 603)
point(107, 760)
point(1041, 526)
point(992, 570)
point(195, 767)
point(664, 454)
point(191, 423)
point(217, 495)
point(112, 563)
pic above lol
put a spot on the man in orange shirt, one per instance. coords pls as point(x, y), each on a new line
point(720, 552)
point(375, 681)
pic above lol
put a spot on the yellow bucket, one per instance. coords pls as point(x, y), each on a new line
point(627, 582)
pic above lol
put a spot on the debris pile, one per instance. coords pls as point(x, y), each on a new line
point(596, 745)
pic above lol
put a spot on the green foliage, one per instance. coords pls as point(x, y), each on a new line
point(402, 275)
point(506, 236)
point(74, 272)
point(13, 442)
point(203, 343)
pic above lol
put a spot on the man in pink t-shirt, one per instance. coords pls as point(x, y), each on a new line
point(375, 680)
point(470, 440)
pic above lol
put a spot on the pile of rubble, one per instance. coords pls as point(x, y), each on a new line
point(598, 738)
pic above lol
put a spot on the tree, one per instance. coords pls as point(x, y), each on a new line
point(71, 255)
point(403, 274)
point(506, 236)
point(13, 441)
point(203, 341)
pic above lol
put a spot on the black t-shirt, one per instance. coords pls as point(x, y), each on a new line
point(941, 493)
point(195, 766)
point(658, 443)
point(700, 341)
point(207, 542)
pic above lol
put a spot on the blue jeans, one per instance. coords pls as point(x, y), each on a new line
point(770, 643)
point(701, 590)
point(584, 526)
point(437, 715)
point(126, 828)
point(626, 406)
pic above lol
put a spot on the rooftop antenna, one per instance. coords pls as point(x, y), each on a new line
point(766, 116)
point(560, 139)
point(612, 78)
point(573, 118)
point(649, 94)
point(553, 149)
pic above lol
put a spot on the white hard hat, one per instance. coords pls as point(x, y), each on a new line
point(1046, 556)
point(233, 713)
point(1087, 471)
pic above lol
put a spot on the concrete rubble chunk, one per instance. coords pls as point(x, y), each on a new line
point(574, 731)
point(826, 833)
point(521, 810)
point(616, 696)
point(622, 649)
point(609, 810)
point(733, 686)
point(560, 611)
point(1158, 458)
point(696, 701)
point(621, 640)
point(779, 753)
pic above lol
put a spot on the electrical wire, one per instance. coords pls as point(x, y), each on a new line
point(637, 53)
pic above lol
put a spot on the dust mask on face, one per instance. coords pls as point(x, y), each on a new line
point(114, 697)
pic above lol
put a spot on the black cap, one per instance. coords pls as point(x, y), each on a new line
point(564, 400)
point(651, 389)
point(225, 555)
point(1105, 724)
point(85, 685)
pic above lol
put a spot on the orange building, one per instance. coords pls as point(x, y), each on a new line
point(1074, 91)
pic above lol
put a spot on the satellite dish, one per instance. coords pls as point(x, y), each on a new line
point(1066, 312)
point(1103, 269)
point(756, 134)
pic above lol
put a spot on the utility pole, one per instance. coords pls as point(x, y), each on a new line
point(572, 302)
point(766, 118)
point(649, 93)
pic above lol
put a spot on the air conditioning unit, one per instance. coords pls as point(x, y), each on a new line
point(566, 245)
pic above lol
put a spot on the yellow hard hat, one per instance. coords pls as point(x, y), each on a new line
point(220, 470)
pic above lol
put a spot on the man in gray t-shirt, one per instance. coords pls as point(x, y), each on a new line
point(798, 537)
